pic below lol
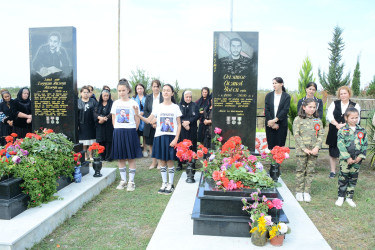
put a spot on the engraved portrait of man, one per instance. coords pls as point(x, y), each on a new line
point(235, 63)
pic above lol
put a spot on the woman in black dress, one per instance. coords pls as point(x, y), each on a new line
point(22, 113)
point(189, 118)
point(202, 103)
point(207, 116)
point(86, 123)
point(6, 123)
point(276, 110)
point(103, 122)
point(311, 88)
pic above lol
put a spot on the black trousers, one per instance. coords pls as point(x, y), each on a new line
point(276, 137)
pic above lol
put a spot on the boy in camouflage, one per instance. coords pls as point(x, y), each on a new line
point(308, 134)
point(352, 143)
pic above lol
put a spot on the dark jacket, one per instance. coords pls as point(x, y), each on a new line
point(23, 106)
point(282, 112)
point(104, 131)
point(147, 111)
point(190, 112)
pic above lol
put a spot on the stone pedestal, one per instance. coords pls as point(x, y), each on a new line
point(219, 213)
point(12, 200)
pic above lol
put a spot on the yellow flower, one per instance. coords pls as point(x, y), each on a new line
point(253, 229)
point(273, 232)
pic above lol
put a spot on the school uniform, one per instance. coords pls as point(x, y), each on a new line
point(277, 137)
point(125, 142)
point(161, 149)
point(148, 130)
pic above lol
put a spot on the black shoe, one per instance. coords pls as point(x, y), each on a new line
point(169, 189)
point(332, 175)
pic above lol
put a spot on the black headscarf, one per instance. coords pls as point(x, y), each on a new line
point(19, 96)
point(202, 103)
point(184, 106)
point(109, 104)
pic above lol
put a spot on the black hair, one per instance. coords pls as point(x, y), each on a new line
point(135, 89)
point(156, 81)
point(5, 92)
point(312, 84)
point(124, 82)
point(235, 40)
point(280, 80)
point(85, 87)
point(350, 110)
point(302, 113)
point(172, 98)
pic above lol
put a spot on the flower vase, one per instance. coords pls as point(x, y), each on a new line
point(278, 240)
point(97, 166)
point(275, 171)
point(77, 174)
point(258, 239)
point(190, 172)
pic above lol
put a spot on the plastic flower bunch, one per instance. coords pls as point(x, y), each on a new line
point(278, 229)
point(77, 157)
point(184, 153)
point(96, 149)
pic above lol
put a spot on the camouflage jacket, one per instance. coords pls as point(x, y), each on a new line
point(305, 135)
point(349, 144)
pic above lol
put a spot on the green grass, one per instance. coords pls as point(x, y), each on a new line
point(120, 219)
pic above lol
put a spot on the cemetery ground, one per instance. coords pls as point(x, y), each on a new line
point(121, 219)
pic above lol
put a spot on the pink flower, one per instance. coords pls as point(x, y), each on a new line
point(218, 183)
point(263, 155)
point(220, 138)
point(217, 130)
point(252, 158)
point(231, 185)
point(277, 203)
point(268, 220)
point(286, 156)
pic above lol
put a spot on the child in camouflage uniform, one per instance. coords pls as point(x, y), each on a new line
point(308, 134)
point(352, 143)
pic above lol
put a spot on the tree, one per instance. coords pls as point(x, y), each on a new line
point(371, 88)
point(333, 80)
point(305, 76)
point(140, 76)
point(356, 83)
point(176, 92)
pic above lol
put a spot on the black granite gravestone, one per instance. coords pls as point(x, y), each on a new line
point(53, 78)
point(235, 78)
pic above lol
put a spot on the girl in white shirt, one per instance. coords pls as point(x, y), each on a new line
point(168, 129)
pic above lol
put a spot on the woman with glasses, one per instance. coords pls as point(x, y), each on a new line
point(152, 102)
point(311, 88)
point(140, 98)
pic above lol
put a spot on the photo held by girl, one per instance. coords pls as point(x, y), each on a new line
point(308, 133)
point(125, 143)
point(168, 115)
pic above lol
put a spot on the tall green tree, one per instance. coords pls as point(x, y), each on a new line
point(334, 79)
point(371, 88)
point(176, 92)
point(305, 76)
point(140, 76)
point(356, 83)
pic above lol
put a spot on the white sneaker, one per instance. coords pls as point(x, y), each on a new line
point(299, 197)
point(351, 202)
point(131, 186)
point(121, 185)
point(145, 154)
point(169, 189)
point(306, 197)
point(163, 187)
point(339, 201)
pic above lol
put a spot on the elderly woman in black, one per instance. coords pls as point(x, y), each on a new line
point(152, 101)
point(103, 122)
point(6, 122)
point(22, 113)
point(202, 103)
point(189, 118)
point(276, 110)
point(86, 123)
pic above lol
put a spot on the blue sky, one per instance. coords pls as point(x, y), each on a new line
point(172, 40)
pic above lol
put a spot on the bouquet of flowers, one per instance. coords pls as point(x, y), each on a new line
point(96, 149)
point(279, 229)
point(232, 166)
point(276, 155)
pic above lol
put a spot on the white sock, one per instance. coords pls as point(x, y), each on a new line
point(171, 174)
point(163, 171)
point(123, 173)
point(131, 174)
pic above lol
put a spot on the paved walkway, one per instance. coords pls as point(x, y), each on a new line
point(175, 228)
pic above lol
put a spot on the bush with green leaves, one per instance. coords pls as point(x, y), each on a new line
point(39, 159)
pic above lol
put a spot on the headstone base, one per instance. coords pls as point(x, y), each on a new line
point(13, 207)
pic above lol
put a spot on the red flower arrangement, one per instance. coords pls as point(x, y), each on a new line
point(277, 154)
point(96, 149)
point(184, 153)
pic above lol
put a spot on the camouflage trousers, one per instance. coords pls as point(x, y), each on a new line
point(304, 172)
point(348, 177)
